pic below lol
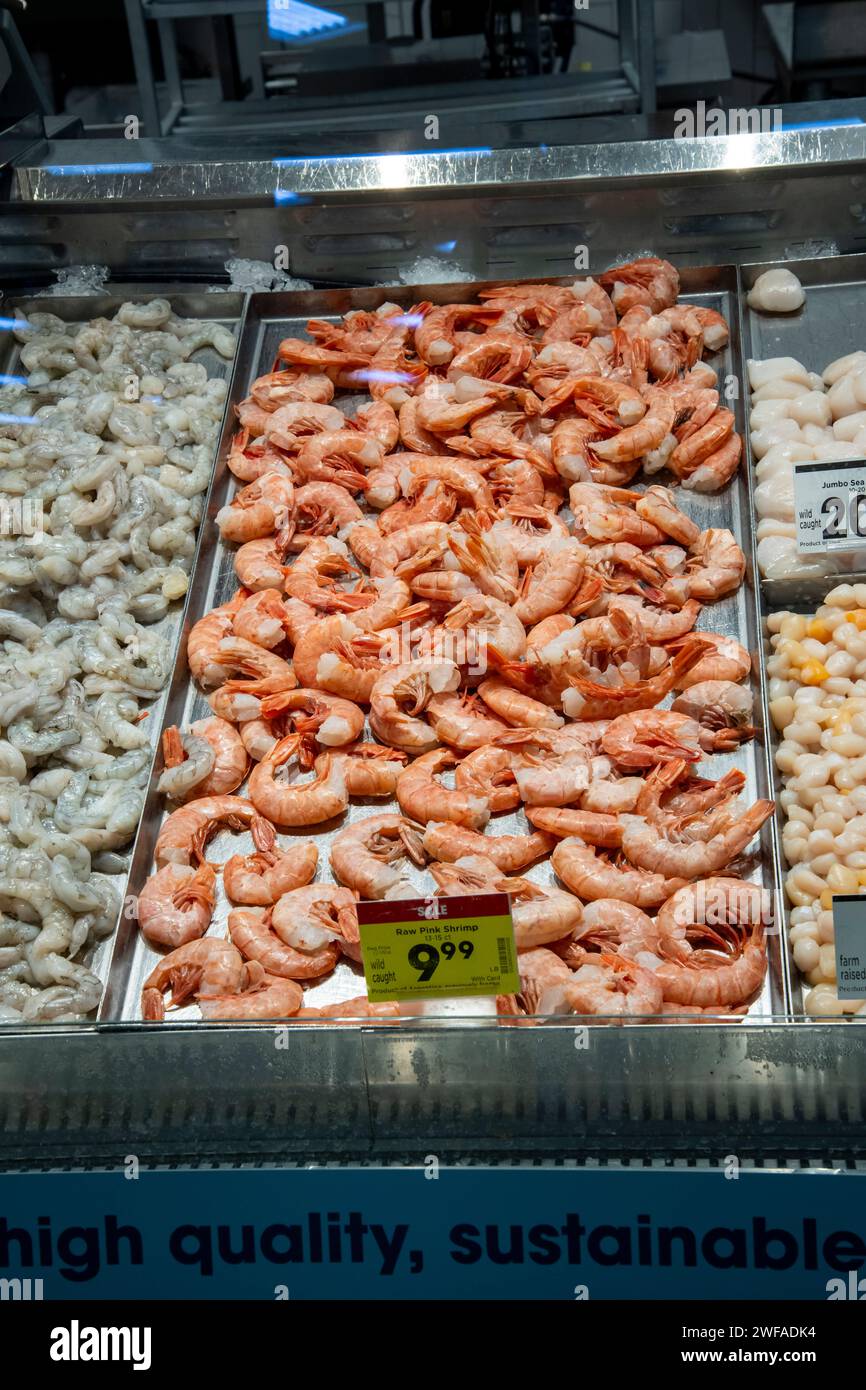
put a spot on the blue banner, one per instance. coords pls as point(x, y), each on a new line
point(434, 1231)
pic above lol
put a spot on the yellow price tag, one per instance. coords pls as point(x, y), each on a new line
point(438, 948)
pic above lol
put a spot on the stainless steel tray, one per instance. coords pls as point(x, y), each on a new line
point(831, 323)
point(225, 309)
point(271, 317)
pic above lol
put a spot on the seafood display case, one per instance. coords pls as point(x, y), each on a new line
point(772, 1082)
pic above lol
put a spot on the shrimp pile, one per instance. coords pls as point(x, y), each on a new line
point(798, 416)
point(449, 598)
point(817, 690)
point(106, 449)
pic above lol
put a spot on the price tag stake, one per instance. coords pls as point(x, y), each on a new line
point(438, 948)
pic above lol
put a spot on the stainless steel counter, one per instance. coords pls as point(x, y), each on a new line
point(156, 212)
point(236, 1091)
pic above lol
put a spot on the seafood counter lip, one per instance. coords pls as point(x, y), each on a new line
point(269, 318)
point(226, 311)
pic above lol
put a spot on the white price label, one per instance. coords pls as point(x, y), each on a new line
point(830, 505)
point(849, 935)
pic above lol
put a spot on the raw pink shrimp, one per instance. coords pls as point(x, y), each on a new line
point(370, 769)
point(364, 856)
point(301, 352)
point(612, 987)
point(548, 773)
point(715, 327)
point(672, 794)
point(391, 607)
point(440, 413)
point(326, 658)
point(251, 931)
point(435, 335)
point(657, 505)
point(253, 420)
point(462, 721)
point(423, 798)
point(556, 361)
point(262, 878)
point(332, 720)
point(230, 758)
point(540, 969)
point(502, 432)
point(249, 462)
point(497, 356)
point(413, 436)
point(381, 555)
point(709, 903)
point(260, 564)
point(414, 685)
point(720, 707)
point(717, 468)
point(236, 654)
point(241, 700)
point(425, 501)
point(710, 980)
point(262, 619)
point(203, 969)
point(517, 709)
point(307, 803)
point(541, 633)
point(549, 586)
point(569, 445)
point(528, 528)
point(580, 321)
point(698, 447)
point(647, 737)
point(312, 578)
point(636, 440)
point(393, 374)
point(309, 918)
point(296, 384)
point(185, 832)
point(727, 660)
point(604, 513)
point(322, 509)
point(590, 877)
point(489, 563)
point(266, 996)
point(604, 401)
point(510, 853)
point(621, 566)
point(616, 926)
point(486, 772)
point(175, 904)
point(646, 280)
point(202, 646)
point(290, 426)
point(658, 848)
point(457, 474)
point(360, 329)
point(657, 624)
point(340, 456)
point(481, 619)
point(379, 420)
point(595, 827)
point(588, 699)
